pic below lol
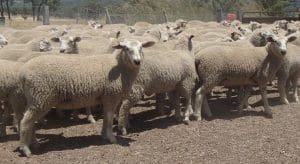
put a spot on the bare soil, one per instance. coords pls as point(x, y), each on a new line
point(226, 138)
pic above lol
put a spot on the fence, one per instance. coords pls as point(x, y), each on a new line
point(269, 17)
point(82, 15)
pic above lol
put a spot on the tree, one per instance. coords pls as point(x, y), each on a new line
point(7, 8)
point(224, 5)
point(54, 4)
point(36, 7)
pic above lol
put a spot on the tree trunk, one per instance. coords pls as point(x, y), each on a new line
point(2, 9)
point(39, 11)
point(8, 10)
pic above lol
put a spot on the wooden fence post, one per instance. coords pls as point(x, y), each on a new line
point(165, 16)
point(108, 18)
point(46, 15)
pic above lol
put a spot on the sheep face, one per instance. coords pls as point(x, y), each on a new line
point(168, 33)
point(236, 36)
point(3, 41)
point(254, 25)
point(45, 45)
point(68, 44)
point(132, 51)
point(278, 45)
point(282, 24)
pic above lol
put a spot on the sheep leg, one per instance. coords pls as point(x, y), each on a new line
point(244, 99)
point(175, 103)
point(109, 107)
point(206, 107)
point(229, 95)
point(90, 116)
point(124, 115)
point(4, 118)
point(136, 94)
point(188, 110)
point(160, 101)
point(267, 109)
point(295, 89)
point(282, 90)
point(27, 133)
point(199, 98)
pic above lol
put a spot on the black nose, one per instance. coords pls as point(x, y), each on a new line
point(62, 51)
point(283, 52)
point(137, 62)
point(164, 40)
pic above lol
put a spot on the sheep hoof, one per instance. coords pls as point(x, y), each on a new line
point(268, 113)
point(186, 121)
point(285, 101)
point(296, 99)
point(91, 120)
point(24, 150)
point(196, 117)
point(112, 139)
point(123, 132)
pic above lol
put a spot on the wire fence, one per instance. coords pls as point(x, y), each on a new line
point(104, 15)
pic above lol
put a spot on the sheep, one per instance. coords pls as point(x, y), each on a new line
point(3, 41)
point(10, 92)
point(95, 25)
point(158, 75)
point(281, 24)
point(73, 82)
point(15, 51)
point(225, 65)
point(289, 71)
point(162, 33)
point(254, 25)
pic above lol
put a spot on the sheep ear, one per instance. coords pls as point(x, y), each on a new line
point(270, 39)
point(191, 37)
point(148, 44)
point(232, 34)
point(55, 39)
point(77, 39)
point(291, 38)
point(118, 46)
point(118, 34)
point(178, 32)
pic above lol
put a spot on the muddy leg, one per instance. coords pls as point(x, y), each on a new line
point(295, 89)
point(123, 121)
point(244, 99)
point(282, 90)
point(267, 109)
point(175, 104)
point(109, 107)
point(27, 133)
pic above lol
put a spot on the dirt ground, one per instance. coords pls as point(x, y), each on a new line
point(227, 138)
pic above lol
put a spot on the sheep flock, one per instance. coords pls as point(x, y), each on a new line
point(112, 67)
